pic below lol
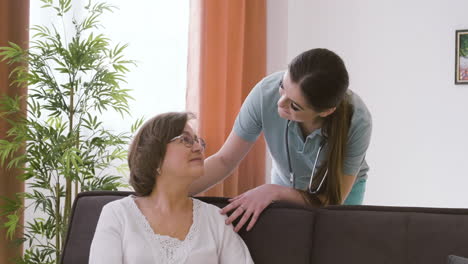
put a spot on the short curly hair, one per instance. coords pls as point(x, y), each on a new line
point(148, 148)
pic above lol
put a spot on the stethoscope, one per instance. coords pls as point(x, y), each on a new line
point(291, 173)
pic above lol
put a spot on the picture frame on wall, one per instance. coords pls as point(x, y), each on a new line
point(461, 56)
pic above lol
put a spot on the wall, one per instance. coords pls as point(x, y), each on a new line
point(277, 48)
point(400, 56)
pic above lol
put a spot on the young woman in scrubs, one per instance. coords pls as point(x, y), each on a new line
point(316, 129)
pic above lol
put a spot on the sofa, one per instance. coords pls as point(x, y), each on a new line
point(287, 233)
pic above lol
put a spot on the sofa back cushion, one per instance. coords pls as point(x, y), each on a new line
point(84, 217)
point(375, 234)
point(283, 233)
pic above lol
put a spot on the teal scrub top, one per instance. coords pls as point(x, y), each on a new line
point(259, 114)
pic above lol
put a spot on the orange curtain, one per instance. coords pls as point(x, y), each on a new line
point(14, 23)
point(227, 57)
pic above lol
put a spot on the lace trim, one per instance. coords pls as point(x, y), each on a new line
point(170, 249)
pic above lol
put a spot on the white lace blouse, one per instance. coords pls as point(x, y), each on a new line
point(124, 236)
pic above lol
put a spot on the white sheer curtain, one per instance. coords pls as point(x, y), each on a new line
point(157, 34)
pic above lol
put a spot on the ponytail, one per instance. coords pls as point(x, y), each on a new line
point(335, 130)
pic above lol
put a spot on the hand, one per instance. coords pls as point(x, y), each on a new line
point(250, 204)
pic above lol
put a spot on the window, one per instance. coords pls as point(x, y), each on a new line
point(157, 34)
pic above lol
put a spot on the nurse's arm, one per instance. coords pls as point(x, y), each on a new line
point(253, 202)
point(222, 163)
point(293, 195)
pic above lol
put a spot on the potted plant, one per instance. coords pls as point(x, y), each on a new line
point(73, 76)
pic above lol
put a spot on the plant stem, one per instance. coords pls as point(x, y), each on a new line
point(68, 178)
point(58, 247)
point(76, 189)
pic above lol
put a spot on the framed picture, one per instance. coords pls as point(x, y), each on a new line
point(461, 56)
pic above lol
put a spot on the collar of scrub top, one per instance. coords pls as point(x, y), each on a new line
point(292, 178)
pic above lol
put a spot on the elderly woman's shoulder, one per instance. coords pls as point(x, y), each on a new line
point(209, 210)
point(120, 205)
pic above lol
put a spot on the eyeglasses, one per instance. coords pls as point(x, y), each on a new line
point(188, 141)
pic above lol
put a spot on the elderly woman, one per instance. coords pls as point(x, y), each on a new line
point(161, 223)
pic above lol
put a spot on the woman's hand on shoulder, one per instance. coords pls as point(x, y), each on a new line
point(250, 205)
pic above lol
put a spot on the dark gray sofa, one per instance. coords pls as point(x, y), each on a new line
point(288, 233)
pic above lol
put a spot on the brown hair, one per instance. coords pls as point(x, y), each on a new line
point(148, 148)
point(324, 80)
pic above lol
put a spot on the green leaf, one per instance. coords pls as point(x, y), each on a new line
point(10, 206)
point(17, 162)
point(11, 225)
point(137, 124)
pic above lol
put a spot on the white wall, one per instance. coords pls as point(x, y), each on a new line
point(277, 48)
point(400, 56)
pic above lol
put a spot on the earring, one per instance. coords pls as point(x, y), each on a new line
point(158, 170)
